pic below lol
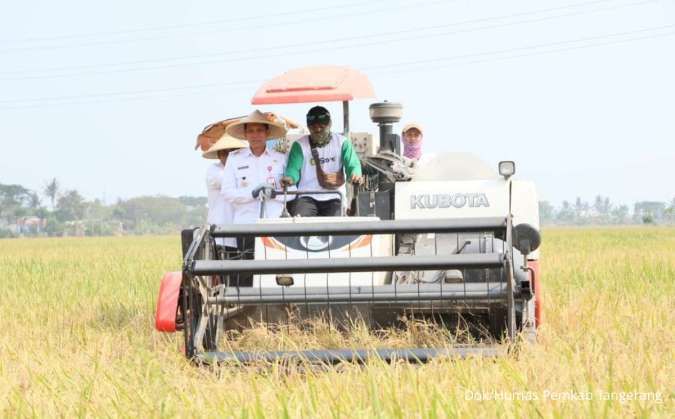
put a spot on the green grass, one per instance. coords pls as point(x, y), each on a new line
point(77, 339)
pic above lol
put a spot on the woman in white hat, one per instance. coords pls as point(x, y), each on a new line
point(220, 211)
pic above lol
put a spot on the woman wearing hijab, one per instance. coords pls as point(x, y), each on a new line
point(412, 141)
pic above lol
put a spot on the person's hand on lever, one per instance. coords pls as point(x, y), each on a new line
point(263, 190)
point(356, 179)
point(286, 181)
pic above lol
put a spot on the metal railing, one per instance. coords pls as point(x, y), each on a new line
point(488, 277)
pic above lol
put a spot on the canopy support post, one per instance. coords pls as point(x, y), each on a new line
point(345, 117)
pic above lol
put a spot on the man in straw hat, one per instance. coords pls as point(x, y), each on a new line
point(317, 162)
point(252, 169)
point(220, 211)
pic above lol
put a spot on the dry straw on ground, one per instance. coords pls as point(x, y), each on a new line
point(76, 339)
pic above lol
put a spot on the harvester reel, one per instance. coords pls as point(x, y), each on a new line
point(478, 275)
point(209, 324)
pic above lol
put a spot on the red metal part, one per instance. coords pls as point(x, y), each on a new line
point(327, 83)
point(538, 292)
point(167, 303)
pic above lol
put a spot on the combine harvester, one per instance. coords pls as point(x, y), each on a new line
point(448, 240)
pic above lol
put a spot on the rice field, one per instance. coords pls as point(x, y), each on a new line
point(77, 340)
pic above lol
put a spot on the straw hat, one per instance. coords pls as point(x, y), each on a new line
point(276, 129)
point(287, 122)
point(212, 133)
point(225, 143)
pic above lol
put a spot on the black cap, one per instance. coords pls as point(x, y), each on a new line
point(318, 114)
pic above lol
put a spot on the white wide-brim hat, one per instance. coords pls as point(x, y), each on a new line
point(225, 142)
point(412, 125)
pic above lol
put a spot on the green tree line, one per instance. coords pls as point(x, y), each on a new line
point(56, 211)
point(603, 212)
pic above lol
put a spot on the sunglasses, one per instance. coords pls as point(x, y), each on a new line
point(318, 119)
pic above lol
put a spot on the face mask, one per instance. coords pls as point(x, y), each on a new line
point(412, 151)
point(322, 137)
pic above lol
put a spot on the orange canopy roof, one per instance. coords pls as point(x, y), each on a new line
point(329, 83)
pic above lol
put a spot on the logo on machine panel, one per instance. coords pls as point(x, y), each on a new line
point(318, 243)
point(459, 200)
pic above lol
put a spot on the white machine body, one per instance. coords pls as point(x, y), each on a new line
point(467, 199)
point(450, 185)
point(460, 185)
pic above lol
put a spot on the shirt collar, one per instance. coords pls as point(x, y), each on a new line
point(249, 153)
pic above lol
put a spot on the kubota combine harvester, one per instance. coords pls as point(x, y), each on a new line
point(447, 240)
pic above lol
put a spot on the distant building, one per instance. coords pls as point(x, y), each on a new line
point(29, 225)
point(649, 210)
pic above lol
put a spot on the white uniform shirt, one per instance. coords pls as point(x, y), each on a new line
point(220, 211)
point(331, 162)
point(243, 173)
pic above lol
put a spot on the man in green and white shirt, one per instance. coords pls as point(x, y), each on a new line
point(336, 158)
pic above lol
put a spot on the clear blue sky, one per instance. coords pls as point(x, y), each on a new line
point(108, 96)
